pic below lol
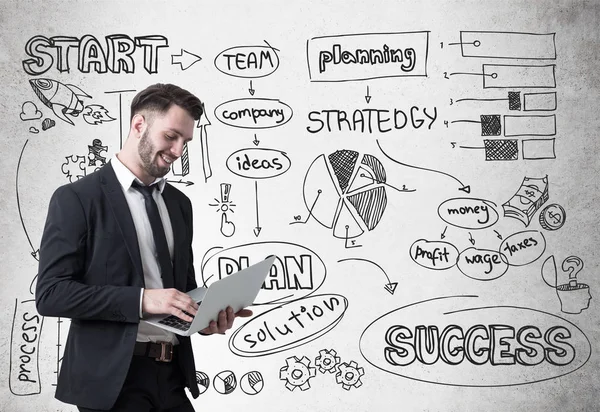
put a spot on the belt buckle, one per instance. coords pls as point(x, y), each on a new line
point(166, 352)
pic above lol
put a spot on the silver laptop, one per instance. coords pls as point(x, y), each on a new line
point(238, 290)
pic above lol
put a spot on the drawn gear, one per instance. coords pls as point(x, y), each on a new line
point(297, 373)
point(349, 375)
point(327, 361)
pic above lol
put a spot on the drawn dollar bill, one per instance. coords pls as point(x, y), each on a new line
point(532, 194)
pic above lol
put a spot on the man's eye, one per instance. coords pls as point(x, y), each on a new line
point(170, 137)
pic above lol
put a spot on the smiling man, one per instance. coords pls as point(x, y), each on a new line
point(117, 246)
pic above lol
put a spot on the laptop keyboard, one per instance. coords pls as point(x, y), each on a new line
point(177, 323)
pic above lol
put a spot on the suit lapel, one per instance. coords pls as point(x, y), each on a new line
point(179, 235)
point(114, 193)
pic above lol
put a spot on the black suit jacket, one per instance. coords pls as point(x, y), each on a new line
point(90, 270)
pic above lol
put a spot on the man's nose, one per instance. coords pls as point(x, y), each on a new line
point(177, 148)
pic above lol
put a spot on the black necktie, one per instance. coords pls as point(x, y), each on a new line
point(158, 232)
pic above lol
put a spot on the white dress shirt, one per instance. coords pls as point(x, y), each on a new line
point(150, 266)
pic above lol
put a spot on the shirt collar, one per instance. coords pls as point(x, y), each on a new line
point(126, 176)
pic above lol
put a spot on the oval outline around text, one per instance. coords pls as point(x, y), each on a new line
point(257, 149)
point(487, 203)
point(247, 47)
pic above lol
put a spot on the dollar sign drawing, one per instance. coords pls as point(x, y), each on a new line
point(529, 193)
point(556, 216)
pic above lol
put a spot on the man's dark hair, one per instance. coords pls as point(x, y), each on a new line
point(160, 97)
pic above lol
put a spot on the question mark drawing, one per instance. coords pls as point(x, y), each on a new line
point(573, 265)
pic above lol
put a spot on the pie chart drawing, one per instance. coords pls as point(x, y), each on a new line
point(252, 383)
point(225, 382)
point(203, 381)
point(345, 191)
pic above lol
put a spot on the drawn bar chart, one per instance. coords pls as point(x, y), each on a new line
point(503, 45)
point(504, 76)
point(530, 125)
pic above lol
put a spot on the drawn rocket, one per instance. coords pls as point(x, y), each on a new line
point(63, 99)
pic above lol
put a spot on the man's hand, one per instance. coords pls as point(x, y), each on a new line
point(225, 321)
point(169, 301)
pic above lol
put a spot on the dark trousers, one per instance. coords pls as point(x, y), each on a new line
point(151, 386)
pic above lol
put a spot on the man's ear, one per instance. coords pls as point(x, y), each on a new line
point(138, 125)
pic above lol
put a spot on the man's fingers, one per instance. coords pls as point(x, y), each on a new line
point(182, 315)
point(244, 313)
point(230, 317)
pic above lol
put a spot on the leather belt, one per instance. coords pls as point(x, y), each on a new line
point(160, 351)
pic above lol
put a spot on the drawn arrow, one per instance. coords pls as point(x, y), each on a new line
point(464, 188)
point(251, 90)
point(367, 96)
point(185, 60)
point(203, 122)
point(181, 181)
point(255, 141)
point(444, 232)
point(390, 286)
point(35, 253)
point(471, 239)
point(498, 234)
point(257, 229)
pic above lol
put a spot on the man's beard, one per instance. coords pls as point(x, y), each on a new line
point(147, 155)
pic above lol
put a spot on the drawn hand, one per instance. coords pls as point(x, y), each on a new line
point(227, 227)
point(225, 321)
point(169, 301)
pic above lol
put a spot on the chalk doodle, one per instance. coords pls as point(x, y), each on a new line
point(508, 45)
point(34, 252)
point(354, 57)
point(254, 113)
point(224, 206)
point(203, 381)
point(349, 375)
point(463, 187)
point(498, 149)
point(390, 286)
point(63, 99)
point(248, 61)
point(346, 191)
point(48, 124)
point(553, 217)
point(252, 383)
point(95, 151)
point(29, 111)
point(297, 373)
point(574, 296)
point(185, 59)
point(181, 167)
point(24, 368)
point(328, 361)
point(74, 167)
point(530, 196)
point(202, 124)
point(225, 382)
point(436, 341)
point(45, 53)
point(96, 114)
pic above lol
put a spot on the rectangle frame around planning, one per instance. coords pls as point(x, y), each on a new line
point(353, 57)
